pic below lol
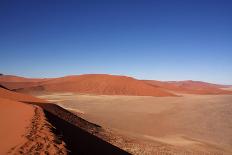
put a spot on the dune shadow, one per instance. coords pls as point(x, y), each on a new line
point(77, 140)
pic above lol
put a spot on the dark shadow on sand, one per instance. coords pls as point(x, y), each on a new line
point(78, 141)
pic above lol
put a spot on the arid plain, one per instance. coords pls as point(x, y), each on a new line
point(193, 122)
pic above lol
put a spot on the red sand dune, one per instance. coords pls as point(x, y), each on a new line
point(101, 84)
point(190, 87)
point(110, 85)
point(12, 78)
point(16, 82)
point(18, 85)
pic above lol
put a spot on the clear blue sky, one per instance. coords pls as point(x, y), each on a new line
point(147, 39)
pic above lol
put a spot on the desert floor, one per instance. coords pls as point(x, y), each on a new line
point(190, 121)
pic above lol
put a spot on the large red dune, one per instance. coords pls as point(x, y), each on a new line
point(101, 84)
point(190, 87)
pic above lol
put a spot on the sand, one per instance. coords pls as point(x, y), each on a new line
point(202, 123)
point(16, 82)
point(129, 115)
point(14, 120)
point(24, 129)
point(4, 93)
point(104, 84)
point(12, 78)
point(96, 84)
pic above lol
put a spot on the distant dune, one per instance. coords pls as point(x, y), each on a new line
point(12, 78)
point(104, 84)
point(101, 84)
point(16, 82)
point(7, 94)
point(190, 87)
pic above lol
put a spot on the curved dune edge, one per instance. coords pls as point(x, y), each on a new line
point(40, 139)
point(24, 130)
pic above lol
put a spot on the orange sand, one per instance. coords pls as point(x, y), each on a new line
point(15, 117)
point(100, 84)
point(18, 96)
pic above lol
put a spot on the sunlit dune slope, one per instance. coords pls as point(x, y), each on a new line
point(104, 84)
point(15, 117)
point(101, 84)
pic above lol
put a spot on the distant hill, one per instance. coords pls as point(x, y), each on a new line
point(190, 87)
point(101, 84)
point(12, 78)
point(104, 84)
point(15, 82)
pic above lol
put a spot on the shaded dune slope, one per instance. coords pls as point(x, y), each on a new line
point(77, 133)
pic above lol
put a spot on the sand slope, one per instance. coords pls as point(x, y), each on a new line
point(100, 84)
point(105, 84)
point(16, 82)
point(23, 127)
point(15, 117)
point(12, 78)
point(7, 94)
